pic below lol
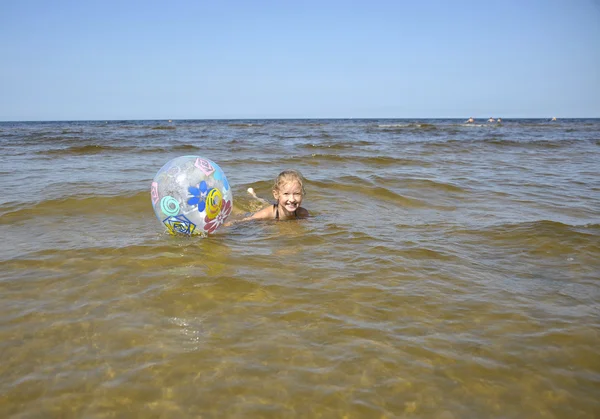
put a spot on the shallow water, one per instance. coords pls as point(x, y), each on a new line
point(448, 271)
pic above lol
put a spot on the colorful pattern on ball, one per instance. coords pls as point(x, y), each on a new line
point(179, 224)
point(169, 205)
point(154, 193)
point(191, 195)
point(214, 202)
point(198, 195)
point(212, 225)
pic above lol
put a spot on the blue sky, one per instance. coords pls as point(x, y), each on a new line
point(105, 60)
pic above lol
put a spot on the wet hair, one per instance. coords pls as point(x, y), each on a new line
point(288, 176)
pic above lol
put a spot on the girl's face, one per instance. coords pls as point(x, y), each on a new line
point(289, 196)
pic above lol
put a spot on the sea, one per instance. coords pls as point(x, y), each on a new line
point(447, 271)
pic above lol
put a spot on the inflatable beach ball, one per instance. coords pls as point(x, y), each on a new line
point(191, 195)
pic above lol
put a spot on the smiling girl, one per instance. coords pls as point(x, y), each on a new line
point(288, 191)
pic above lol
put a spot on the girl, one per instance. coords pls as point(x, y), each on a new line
point(288, 191)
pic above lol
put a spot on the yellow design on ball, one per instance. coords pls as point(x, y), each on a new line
point(214, 202)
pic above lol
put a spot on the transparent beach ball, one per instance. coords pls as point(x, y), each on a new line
point(191, 196)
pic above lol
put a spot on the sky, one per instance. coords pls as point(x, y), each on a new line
point(223, 59)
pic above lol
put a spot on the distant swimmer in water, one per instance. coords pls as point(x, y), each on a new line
point(470, 120)
point(491, 119)
point(288, 192)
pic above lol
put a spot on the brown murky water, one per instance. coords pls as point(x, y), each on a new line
point(449, 271)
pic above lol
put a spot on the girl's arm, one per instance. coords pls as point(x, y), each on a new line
point(263, 214)
point(253, 194)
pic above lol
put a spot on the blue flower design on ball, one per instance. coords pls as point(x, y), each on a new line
point(198, 195)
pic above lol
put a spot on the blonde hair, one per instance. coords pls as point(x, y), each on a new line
point(288, 176)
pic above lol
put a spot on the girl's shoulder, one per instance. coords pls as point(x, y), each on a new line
point(302, 213)
point(264, 214)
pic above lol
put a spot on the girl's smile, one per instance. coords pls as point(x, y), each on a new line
point(289, 197)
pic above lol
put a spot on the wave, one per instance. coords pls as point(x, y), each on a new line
point(427, 184)
point(184, 148)
point(76, 205)
point(164, 253)
point(244, 125)
point(310, 124)
point(330, 146)
point(322, 136)
point(316, 159)
point(543, 237)
point(538, 143)
point(126, 204)
point(501, 140)
point(247, 136)
point(92, 149)
point(389, 187)
point(377, 161)
point(547, 227)
point(409, 125)
point(84, 149)
point(394, 125)
point(37, 139)
point(365, 191)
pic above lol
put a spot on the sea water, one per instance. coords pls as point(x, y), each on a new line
point(448, 270)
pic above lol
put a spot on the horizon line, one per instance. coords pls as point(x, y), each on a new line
point(289, 119)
